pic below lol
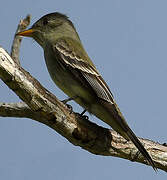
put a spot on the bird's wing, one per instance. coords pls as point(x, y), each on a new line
point(81, 64)
point(77, 60)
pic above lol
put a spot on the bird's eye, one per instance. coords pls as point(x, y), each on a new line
point(45, 21)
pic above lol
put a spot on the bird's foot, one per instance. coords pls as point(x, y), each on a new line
point(82, 114)
point(69, 99)
point(68, 106)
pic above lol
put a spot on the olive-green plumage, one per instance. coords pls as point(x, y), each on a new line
point(73, 72)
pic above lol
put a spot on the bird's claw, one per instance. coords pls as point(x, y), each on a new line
point(69, 99)
point(68, 106)
point(84, 116)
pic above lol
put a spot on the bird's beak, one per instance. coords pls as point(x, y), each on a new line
point(27, 33)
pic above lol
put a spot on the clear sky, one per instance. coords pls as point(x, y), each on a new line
point(127, 41)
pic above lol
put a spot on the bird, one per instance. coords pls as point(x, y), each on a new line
point(74, 73)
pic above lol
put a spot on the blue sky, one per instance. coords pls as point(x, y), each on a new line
point(127, 41)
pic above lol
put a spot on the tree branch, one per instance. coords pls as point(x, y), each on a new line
point(44, 107)
point(17, 39)
point(19, 110)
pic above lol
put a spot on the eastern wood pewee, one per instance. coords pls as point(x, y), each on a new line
point(73, 72)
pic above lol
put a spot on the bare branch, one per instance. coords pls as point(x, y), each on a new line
point(17, 39)
point(19, 110)
point(78, 130)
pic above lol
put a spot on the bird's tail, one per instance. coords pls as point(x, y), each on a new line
point(119, 124)
point(140, 147)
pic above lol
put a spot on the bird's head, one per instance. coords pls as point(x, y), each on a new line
point(50, 27)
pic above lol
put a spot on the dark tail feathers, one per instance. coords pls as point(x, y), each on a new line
point(126, 132)
point(140, 147)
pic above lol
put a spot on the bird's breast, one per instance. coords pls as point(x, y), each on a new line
point(66, 81)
